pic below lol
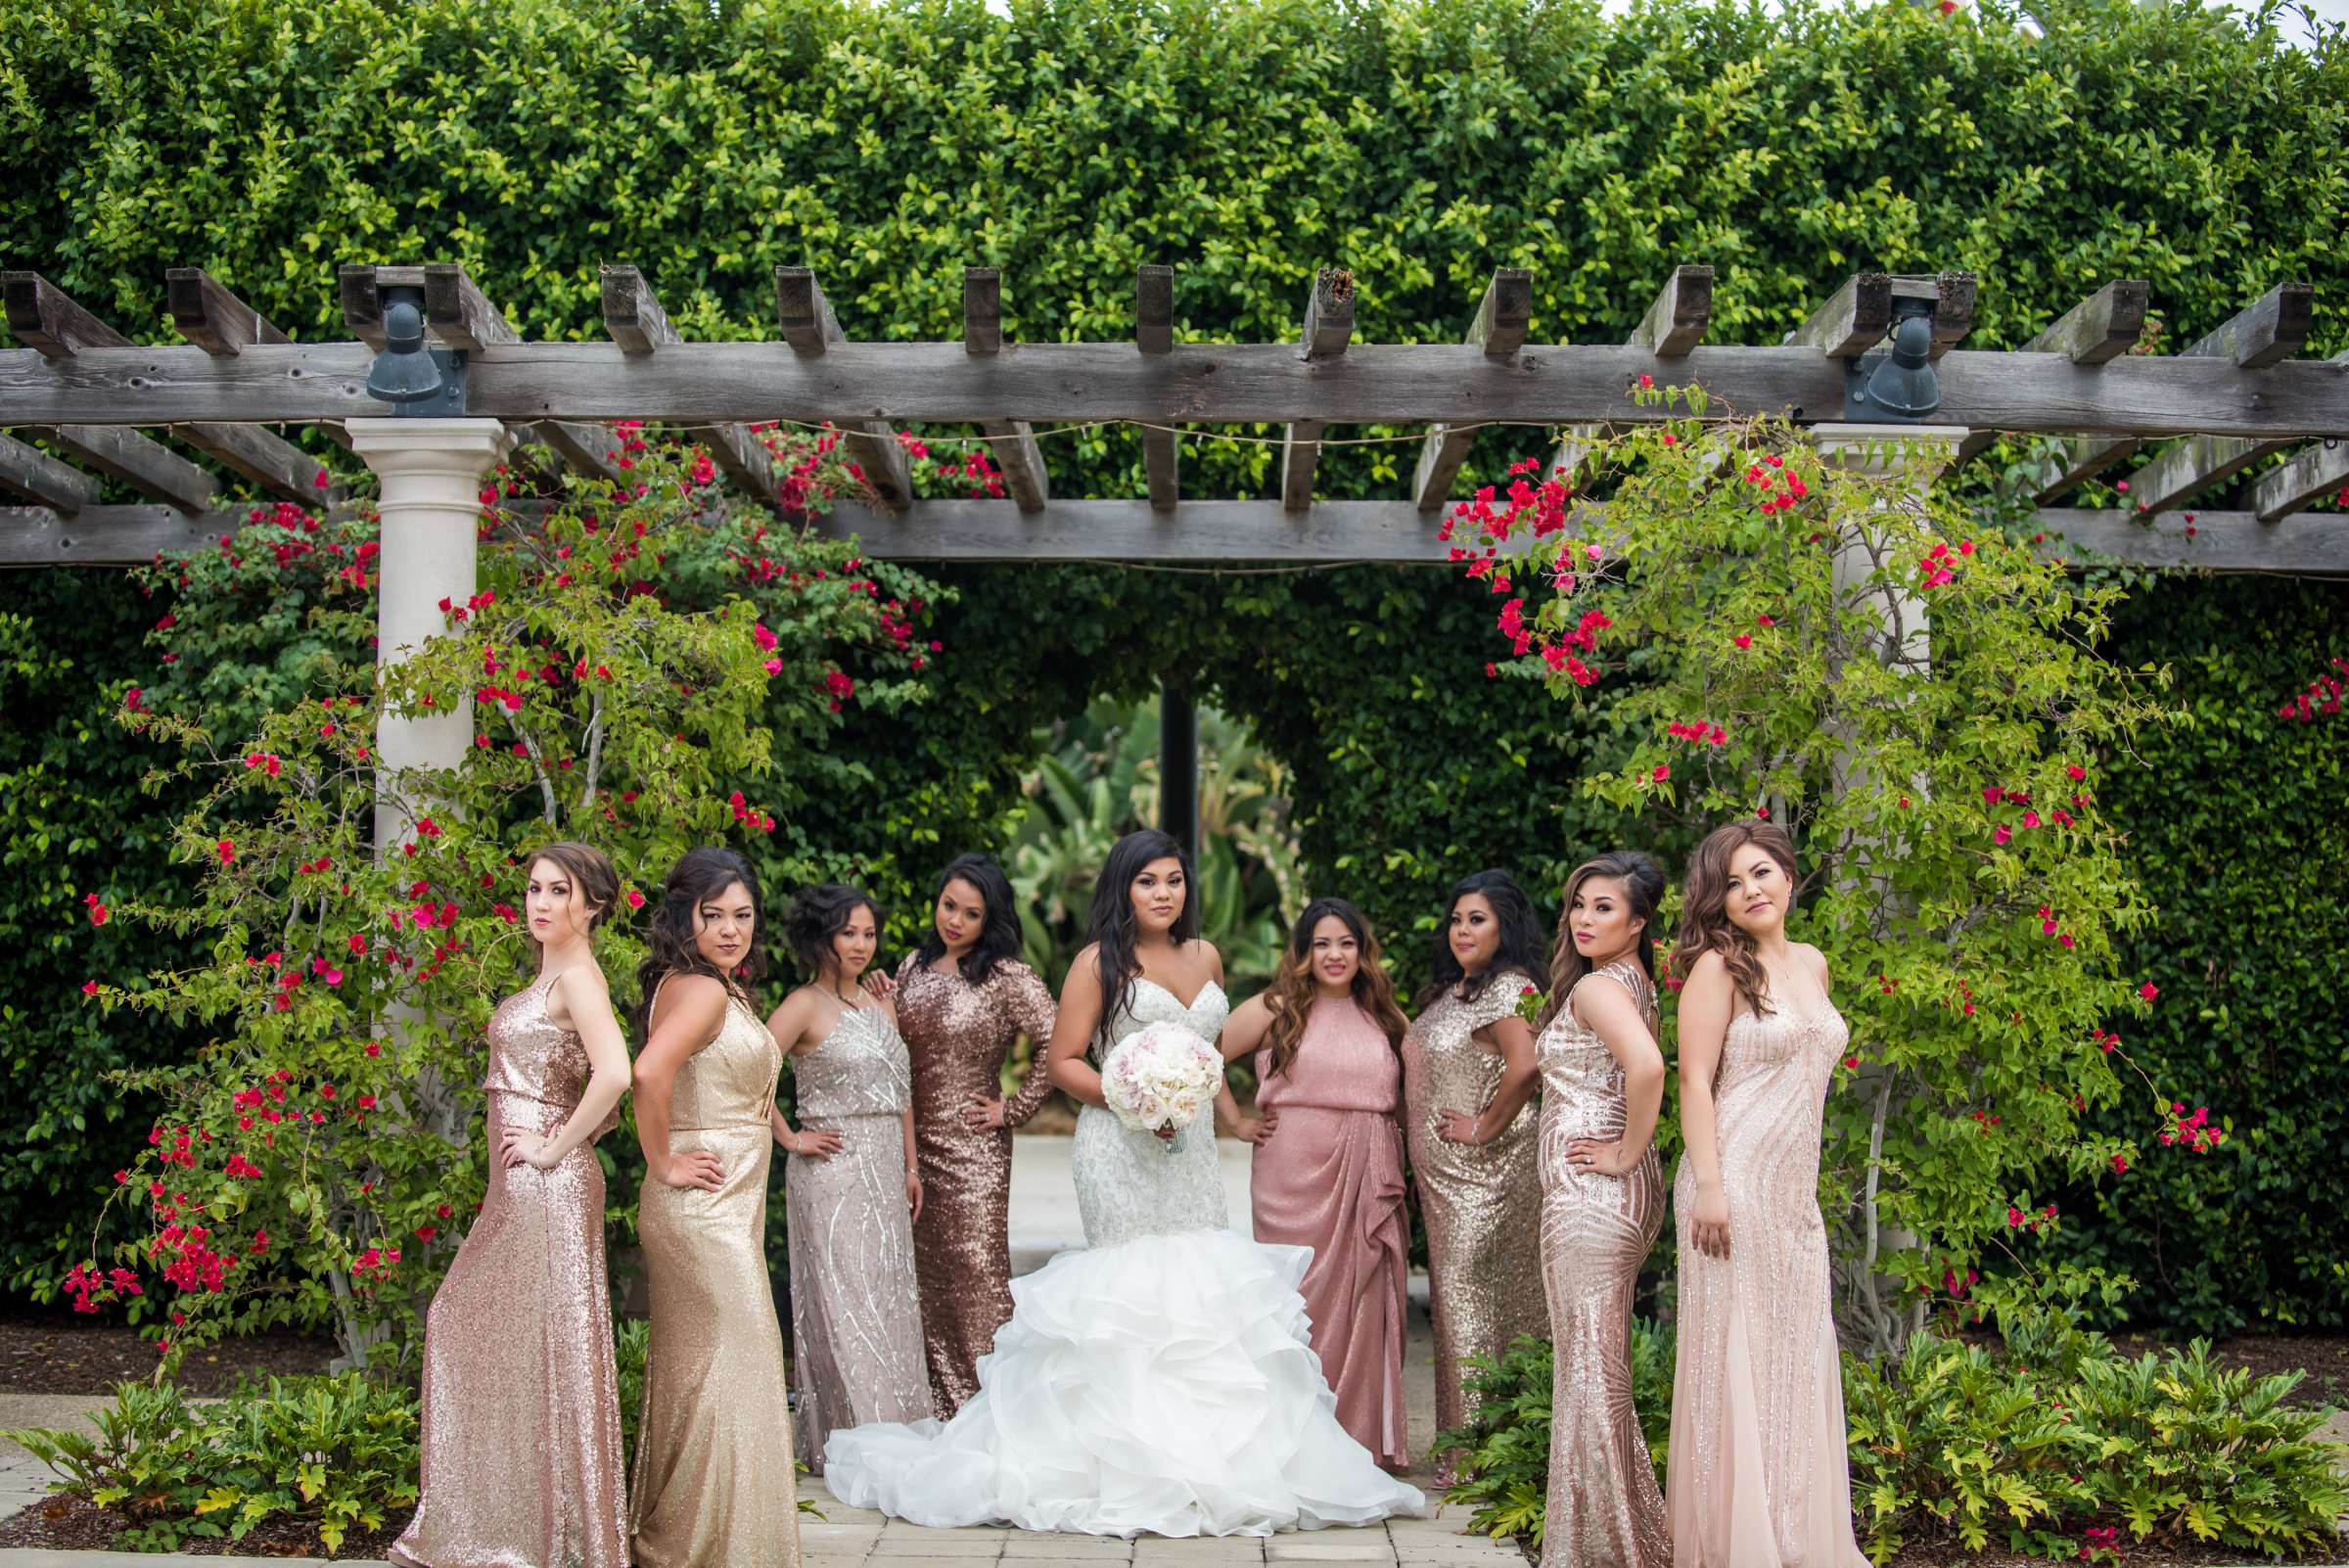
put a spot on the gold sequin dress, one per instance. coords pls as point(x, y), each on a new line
point(957, 1035)
point(1759, 1470)
point(1482, 1206)
point(855, 1302)
point(1604, 1510)
point(715, 1482)
point(520, 1442)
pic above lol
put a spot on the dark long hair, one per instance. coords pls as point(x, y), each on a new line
point(669, 945)
point(1705, 923)
point(998, 933)
point(1643, 888)
point(817, 915)
point(1520, 947)
point(1290, 997)
point(1115, 933)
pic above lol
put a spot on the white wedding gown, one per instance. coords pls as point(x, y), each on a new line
point(1159, 1380)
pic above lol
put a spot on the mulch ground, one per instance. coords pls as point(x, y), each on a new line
point(63, 1524)
point(68, 1353)
point(2325, 1358)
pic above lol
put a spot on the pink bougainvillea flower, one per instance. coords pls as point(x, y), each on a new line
point(227, 850)
point(635, 899)
point(2148, 990)
point(89, 987)
point(2002, 834)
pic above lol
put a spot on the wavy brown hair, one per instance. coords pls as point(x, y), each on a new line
point(1705, 924)
point(1290, 997)
point(1643, 888)
point(591, 874)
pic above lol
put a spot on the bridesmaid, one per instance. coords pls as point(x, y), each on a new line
point(961, 1000)
point(520, 1443)
point(1467, 1071)
point(855, 1300)
point(1602, 1207)
point(714, 1481)
point(1326, 1035)
point(1759, 1469)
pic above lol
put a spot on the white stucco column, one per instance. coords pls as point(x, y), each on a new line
point(431, 472)
point(1858, 450)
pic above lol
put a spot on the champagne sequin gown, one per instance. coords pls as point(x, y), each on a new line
point(1330, 1179)
point(855, 1302)
point(1482, 1206)
point(520, 1440)
point(714, 1482)
point(957, 1035)
point(1604, 1510)
point(1759, 1472)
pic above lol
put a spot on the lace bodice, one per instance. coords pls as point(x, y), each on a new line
point(1130, 1183)
point(859, 1069)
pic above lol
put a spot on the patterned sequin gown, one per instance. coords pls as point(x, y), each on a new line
point(520, 1443)
point(1482, 1206)
point(1331, 1179)
point(855, 1302)
point(715, 1480)
point(1161, 1379)
point(957, 1034)
point(1604, 1511)
point(1759, 1472)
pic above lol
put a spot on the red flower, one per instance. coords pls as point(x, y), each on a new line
point(2148, 990)
point(98, 911)
point(227, 850)
point(89, 987)
point(1663, 771)
point(635, 899)
point(2120, 1165)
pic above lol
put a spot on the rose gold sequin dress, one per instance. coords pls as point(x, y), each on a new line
point(1331, 1179)
point(714, 1482)
point(1482, 1206)
point(520, 1443)
point(1759, 1473)
point(1604, 1511)
point(855, 1302)
point(957, 1035)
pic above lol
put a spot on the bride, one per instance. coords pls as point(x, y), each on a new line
point(1159, 1379)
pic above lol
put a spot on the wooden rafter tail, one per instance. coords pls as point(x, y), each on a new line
point(1499, 328)
point(2306, 476)
point(2098, 329)
point(1328, 330)
point(1675, 323)
point(634, 320)
point(1010, 442)
point(29, 472)
point(1154, 335)
point(1853, 319)
point(2186, 469)
point(44, 318)
point(149, 467)
point(813, 330)
point(212, 318)
point(222, 325)
point(1953, 295)
point(2083, 458)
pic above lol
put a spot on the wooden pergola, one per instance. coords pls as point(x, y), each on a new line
point(104, 405)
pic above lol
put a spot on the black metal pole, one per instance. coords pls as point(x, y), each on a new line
point(1178, 766)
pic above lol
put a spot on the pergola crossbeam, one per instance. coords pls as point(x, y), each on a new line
point(1011, 441)
point(1328, 329)
point(212, 318)
point(1154, 335)
point(1498, 329)
point(42, 480)
point(2102, 327)
point(149, 467)
point(634, 320)
point(2306, 476)
point(1687, 304)
point(813, 331)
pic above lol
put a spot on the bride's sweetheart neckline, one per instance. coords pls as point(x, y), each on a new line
point(1193, 1005)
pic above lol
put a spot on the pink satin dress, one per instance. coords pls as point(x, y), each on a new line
point(1759, 1473)
point(1330, 1178)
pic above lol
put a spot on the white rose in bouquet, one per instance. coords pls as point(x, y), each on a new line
point(1162, 1077)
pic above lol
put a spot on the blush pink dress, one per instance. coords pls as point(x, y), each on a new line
point(1331, 1178)
point(1759, 1469)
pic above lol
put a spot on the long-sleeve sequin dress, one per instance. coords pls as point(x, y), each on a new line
point(1330, 1179)
point(520, 1441)
point(1604, 1509)
point(1759, 1470)
point(714, 1472)
point(856, 1301)
point(1482, 1205)
point(957, 1035)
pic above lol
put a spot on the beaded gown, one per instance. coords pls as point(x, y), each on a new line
point(1759, 1470)
point(1603, 1508)
point(1331, 1179)
point(714, 1472)
point(1482, 1206)
point(1161, 1379)
point(521, 1438)
point(957, 1034)
point(856, 1304)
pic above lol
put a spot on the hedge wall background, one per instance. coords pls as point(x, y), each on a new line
point(1248, 142)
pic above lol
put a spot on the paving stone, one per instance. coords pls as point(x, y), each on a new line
point(1315, 1549)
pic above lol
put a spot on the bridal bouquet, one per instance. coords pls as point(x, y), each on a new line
point(1162, 1077)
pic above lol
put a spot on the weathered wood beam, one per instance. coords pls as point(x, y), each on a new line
point(46, 319)
point(2083, 458)
point(813, 332)
point(42, 480)
point(2312, 542)
point(277, 466)
point(151, 468)
point(1853, 319)
point(2139, 395)
point(2306, 476)
point(1011, 441)
point(2106, 325)
point(1953, 295)
point(212, 318)
point(1328, 329)
point(2186, 469)
point(1500, 331)
point(1676, 322)
point(1154, 335)
point(588, 449)
point(634, 320)
point(2267, 332)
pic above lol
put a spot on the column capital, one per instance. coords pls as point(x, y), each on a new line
point(1853, 446)
point(414, 444)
